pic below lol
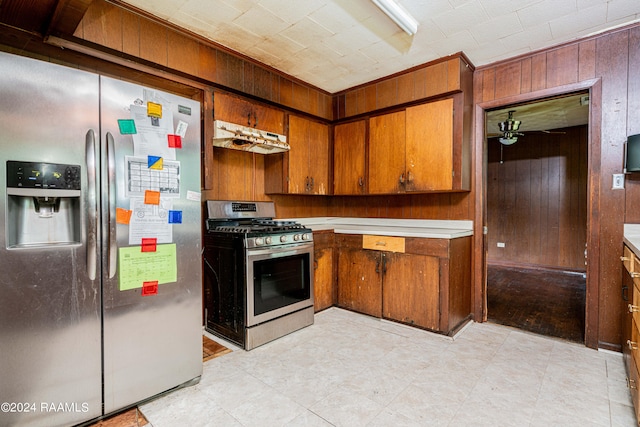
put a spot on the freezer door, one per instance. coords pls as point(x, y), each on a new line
point(50, 300)
point(152, 292)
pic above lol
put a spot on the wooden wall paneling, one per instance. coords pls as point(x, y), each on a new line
point(351, 103)
point(436, 79)
point(248, 80)
point(262, 85)
point(525, 75)
point(508, 79)
point(207, 68)
point(406, 87)
point(286, 91)
point(208, 159)
point(130, 33)
point(183, 53)
point(153, 42)
point(102, 24)
point(370, 98)
point(632, 184)
point(300, 97)
point(587, 60)
point(454, 68)
point(612, 65)
point(275, 88)
point(538, 72)
point(488, 84)
point(420, 83)
point(562, 65)
point(387, 93)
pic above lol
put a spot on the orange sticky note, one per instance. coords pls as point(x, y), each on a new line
point(151, 197)
point(149, 288)
point(154, 110)
point(149, 244)
point(123, 216)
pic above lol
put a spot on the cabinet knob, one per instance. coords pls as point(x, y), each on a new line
point(360, 181)
point(632, 345)
point(401, 180)
point(631, 384)
point(633, 308)
point(634, 274)
point(624, 258)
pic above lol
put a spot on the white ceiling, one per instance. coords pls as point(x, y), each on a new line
point(339, 44)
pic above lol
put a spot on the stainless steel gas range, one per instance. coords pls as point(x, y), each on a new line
point(258, 273)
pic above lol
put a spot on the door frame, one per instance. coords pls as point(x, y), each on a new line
point(594, 87)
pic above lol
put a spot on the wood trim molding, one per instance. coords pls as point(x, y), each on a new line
point(594, 86)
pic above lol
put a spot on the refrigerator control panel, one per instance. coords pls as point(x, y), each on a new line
point(50, 176)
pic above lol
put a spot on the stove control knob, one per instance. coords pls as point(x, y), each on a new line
point(306, 236)
point(259, 241)
point(267, 240)
point(283, 238)
point(296, 237)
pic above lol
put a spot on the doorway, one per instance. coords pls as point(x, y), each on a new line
point(536, 215)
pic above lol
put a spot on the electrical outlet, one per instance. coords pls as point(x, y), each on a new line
point(618, 181)
point(501, 244)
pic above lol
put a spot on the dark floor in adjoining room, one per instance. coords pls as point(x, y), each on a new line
point(546, 302)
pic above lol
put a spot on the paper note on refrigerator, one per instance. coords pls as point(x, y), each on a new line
point(150, 221)
point(137, 267)
point(150, 139)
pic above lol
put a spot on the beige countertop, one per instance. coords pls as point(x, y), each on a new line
point(632, 237)
point(438, 229)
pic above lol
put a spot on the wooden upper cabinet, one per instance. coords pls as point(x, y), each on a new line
point(387, 153)
point(349, 158)
point(246, 113)
point(429, 146)
point(308, 158)
point(417, 150)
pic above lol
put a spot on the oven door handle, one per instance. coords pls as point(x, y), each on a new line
point(280, 252)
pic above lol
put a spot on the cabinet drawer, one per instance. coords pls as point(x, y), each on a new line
point(383, 243)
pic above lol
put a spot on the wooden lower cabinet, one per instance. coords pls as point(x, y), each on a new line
point(427, 284)
point(359, 280)
point(630, 324)
point(324, 291)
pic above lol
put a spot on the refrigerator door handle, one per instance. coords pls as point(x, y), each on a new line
point(92, 201)
point(112, 247)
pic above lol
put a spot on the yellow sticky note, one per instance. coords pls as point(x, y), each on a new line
point(137, 267)
point(151, 197)
point(154, 110)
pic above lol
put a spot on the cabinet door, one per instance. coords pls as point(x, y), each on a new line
point(318, 140)
point(411, 289)
point(360, 281)
point(349, 158)
point(429, 146)
point(323, 279)
point(243, 112)
point(298, 173)
point(387, 153)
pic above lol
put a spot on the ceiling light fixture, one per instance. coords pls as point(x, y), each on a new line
point(398, 14)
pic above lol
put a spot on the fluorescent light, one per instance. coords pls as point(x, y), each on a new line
point(398, 14)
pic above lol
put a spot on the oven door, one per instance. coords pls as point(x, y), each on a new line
point(279, 281)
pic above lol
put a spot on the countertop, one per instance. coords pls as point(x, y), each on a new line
point(632, 237)
point(424, 228)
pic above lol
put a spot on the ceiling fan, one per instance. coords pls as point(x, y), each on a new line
point(509, 130)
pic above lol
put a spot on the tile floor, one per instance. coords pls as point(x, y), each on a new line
point(353, 370)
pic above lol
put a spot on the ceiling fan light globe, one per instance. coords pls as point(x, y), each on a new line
point(507, 141)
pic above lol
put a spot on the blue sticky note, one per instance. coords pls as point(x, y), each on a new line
point(154, 162)
point(175, 217)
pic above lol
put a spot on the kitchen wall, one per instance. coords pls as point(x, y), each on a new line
point(537, 200)
point(606, 66)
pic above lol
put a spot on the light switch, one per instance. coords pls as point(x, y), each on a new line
point(618, 181)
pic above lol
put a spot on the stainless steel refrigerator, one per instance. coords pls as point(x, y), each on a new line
point(100, 229)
